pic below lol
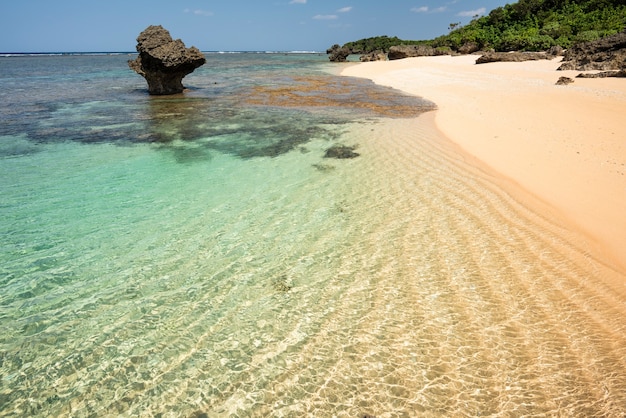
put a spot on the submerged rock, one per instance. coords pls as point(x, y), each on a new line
point(164, 62)
point(323, 167)
point(282, 284)
point(341, 152)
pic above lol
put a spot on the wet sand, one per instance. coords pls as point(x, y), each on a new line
point(566, 145)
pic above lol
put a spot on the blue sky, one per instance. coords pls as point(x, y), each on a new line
point(221, 25)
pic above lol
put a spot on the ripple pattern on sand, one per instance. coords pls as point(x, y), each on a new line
point(400, 283)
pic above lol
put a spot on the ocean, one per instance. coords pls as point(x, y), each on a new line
point(200, 255)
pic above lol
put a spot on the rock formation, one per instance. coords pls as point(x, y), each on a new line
point(408, 51)
point(564, 81)
point(338, 53)
point(604, 54)
point(468, 48)
point(512, 57)
point(373, 56)
point(603, 74)
point(556, 51)
point(164, 62)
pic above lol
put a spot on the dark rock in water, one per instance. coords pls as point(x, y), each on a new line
point(338, 53)
point(324, 167)
point(512, 57)
point(282, 284)
point(409, 51)
point(341, 152)
point(164, 62)
point(564, 81)
point(604, 54)
point(603, 74)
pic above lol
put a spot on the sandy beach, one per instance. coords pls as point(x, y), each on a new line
point(566, 145)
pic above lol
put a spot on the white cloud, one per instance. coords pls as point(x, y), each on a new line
point(297, 2)
point(199, 12)
point(426, 9)
point(344, 9)
point(472, 13)
point(325, 17)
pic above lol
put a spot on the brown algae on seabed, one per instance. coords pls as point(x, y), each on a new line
point(340, 93)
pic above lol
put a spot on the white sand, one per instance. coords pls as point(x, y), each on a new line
point(564, 144)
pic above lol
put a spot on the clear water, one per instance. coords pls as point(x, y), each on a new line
point(197, 255)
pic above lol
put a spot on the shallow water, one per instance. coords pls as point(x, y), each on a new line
point(198, 255)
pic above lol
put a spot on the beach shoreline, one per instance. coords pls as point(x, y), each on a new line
point(565, 145)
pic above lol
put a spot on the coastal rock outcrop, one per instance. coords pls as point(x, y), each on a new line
point(603, 74)
point(409, 51)
point(374, 56)
point(556, 51)
point(469, 48)
point(512, 57)
point(564, 81)
point(604, 54)
point(338, 53)
point(164, 62)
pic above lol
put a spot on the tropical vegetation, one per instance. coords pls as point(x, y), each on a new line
point(378, 43)
point(527, 25)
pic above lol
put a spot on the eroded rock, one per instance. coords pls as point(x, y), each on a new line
point(604, 54)
point(512, 57)
point(374, 56)
point(338, 53)
point(469, 48)
point(164, 62)
point(556, 51)
point(409, 51)
point(564, 81)
point(603, 74)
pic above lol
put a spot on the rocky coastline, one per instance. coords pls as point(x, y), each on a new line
point(607, 55)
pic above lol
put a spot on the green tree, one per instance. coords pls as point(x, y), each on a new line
point(525, 25)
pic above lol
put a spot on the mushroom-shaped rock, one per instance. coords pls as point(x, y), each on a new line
point(164, 62)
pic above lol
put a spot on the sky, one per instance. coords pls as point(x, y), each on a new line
point(225, 25)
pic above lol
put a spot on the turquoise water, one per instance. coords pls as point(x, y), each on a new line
point(197, 255)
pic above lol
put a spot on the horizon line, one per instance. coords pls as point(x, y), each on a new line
point(134, 52)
